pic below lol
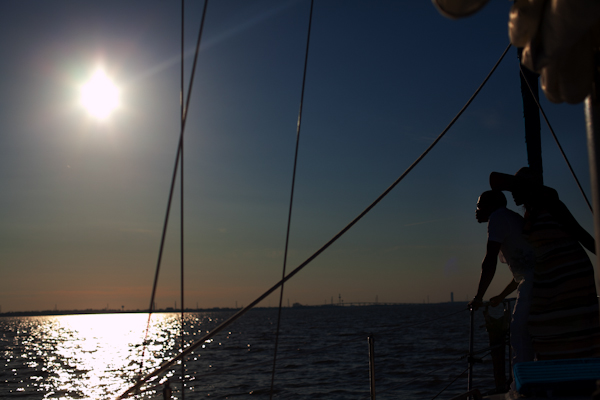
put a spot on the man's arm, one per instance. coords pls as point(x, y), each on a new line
point(511, 287)
point(488, 269)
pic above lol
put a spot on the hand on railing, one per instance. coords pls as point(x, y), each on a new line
point(475, 303)
point(495, 301)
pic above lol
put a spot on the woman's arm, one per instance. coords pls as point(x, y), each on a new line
point(566, 219)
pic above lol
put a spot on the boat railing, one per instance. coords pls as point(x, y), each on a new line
point(471, 357)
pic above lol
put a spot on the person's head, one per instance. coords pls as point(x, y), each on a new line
point(526, 184)
point(489, 202)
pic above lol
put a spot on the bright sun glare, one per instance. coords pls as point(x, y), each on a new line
point(99, 95)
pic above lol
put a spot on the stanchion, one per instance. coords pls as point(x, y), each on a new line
point(470, 357)
point(371, 341)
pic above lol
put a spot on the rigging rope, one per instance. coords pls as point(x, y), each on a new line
point(289, 221)
point(181, 231)
point(164, 366)
point(173, 180)
point(557, 142)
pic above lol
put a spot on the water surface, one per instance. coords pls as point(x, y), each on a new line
point(323, 354)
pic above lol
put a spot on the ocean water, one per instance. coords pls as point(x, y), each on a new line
point(323, 353)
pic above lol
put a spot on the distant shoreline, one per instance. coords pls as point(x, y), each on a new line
point(194, 310)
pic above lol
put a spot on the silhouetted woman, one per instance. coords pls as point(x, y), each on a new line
point(563, 318)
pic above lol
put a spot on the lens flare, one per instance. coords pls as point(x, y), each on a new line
point(100, 96)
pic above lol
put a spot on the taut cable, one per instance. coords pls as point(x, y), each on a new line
point(181, 231)
point(289, 221)
point(173, 180)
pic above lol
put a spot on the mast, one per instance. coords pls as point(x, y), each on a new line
point(531, 114)
point(592, 122)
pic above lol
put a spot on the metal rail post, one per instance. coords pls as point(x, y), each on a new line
point(507, 305)
point(371, 341)
point(470, 357)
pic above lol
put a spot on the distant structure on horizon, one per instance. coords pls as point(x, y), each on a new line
point(451, 297)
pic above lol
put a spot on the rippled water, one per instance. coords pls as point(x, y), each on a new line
point(323, 354)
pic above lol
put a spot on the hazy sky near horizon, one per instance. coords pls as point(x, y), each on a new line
point(83, 201)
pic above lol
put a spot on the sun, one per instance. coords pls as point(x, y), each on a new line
point(100, 96)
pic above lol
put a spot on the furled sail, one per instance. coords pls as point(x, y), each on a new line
point(559, 40)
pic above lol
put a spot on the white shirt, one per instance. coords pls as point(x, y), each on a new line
point(506, 227)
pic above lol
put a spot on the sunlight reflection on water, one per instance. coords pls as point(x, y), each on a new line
point(89, 356)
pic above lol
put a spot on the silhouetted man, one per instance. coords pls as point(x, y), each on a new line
point(507, 242)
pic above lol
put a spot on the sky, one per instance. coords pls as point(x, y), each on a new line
point(84, 199)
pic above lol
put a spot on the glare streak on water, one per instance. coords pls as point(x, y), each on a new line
point(323, 354)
